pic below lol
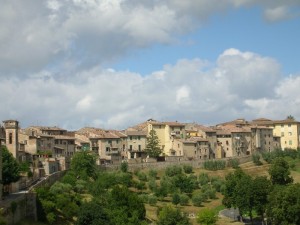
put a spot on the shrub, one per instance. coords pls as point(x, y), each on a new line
point(214, 165)
point(203, 179)
point(152, 185)
point(188, 169)
point(217, 184)
point(198, 199)
point(152, 200)
point(184, 199)
point(142, 176)
point(207, 217)
point(176, 199)
point(152, 173)
point(173, 171)
point(124, 167)
point(234, 163)
point(256, 159)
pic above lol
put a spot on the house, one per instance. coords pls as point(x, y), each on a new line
point(136, 143)
point(109, 145)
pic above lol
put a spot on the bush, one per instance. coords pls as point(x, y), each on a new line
point(184, 199)
point(211, 193)
point(176, 199)
point(234, 163)
point(203, 179)
point(207, 217)
point(198, 199)
point(152, 185)
point(214, 165)
point(217, 184)
point(124, 167)
point(188, 169)
point(142, 176)
point(152, 200)
point(173, 171)
point(256, 159)
point(144, 197)
point(152, 173)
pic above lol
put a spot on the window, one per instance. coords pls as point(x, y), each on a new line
point(10, 138)
point(130, 147)
point(227, 143)
point(139, 138)
point(289, 125)
point(282, 125)
point(290, 142)
point(282, 134)
point(117, 141)
point(290, 133)
point(109, 142)
point(107, 149)
point(140, 147)
point(130, 137)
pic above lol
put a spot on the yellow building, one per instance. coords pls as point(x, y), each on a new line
point(167, 132)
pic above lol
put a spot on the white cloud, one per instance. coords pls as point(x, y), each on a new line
point(241, 84)
point(69, 35)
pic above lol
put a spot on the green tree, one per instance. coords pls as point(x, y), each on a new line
point(92, 213)
point(152, 145)
point(84, 165)
point(10, 167)
point(290, 117)
point(176, 199)
point(172, 216)
point(284, 205)
point(279, 172)
point(124, 167)
point(207, 217)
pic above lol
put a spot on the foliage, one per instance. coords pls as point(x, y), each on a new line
point(279, 172)
point(184, 199)
point(187, 169)
point(83, 164)
point(152, 173)
point(125, 207)
point(214, 165)
point(92, 213)
point(152, 185)
point(169, 215)
point(152, 199)
point(284, 205)
point(124, 167)
point(173, 171)
point(185, 183)
point(176, 198)
point(152, 145)
point(10, 167)
point(198, 198)
point(256, 159)
point(142, 176)
point(24, 167)
point(203, 179)
point(207, 217)
point(234, 163)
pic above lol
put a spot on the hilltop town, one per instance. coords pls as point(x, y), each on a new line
point(50, 149)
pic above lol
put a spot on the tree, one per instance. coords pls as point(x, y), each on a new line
point(152, 145)
point(290, 117)
point(84, 165)
point(284, 205)
point(92, 213)
point(172, 216)
point(10, 167)
point(279, 172)
point(207, 217)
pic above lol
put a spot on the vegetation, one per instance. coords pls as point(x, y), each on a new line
point(10, 167)
point(167, 196)
point(214, 165)
point(152, 145)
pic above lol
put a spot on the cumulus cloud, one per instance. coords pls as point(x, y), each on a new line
point(69, 35)
point(239, 84)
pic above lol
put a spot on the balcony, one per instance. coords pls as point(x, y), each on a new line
point(113, 152)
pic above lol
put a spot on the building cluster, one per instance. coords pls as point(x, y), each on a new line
point(49, 149)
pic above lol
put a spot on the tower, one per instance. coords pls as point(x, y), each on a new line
point(11, 134)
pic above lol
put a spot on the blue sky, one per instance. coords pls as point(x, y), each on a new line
point(244, 29)
point(116, 63)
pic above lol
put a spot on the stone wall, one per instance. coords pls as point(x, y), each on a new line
point(163, 165)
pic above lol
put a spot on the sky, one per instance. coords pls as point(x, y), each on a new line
point(114, 63)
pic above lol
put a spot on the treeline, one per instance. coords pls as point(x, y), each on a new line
point(276, 200)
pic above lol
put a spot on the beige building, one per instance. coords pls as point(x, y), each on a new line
point(136, 143)
point(109, 145)
point(287, 131)
point(197, 130)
